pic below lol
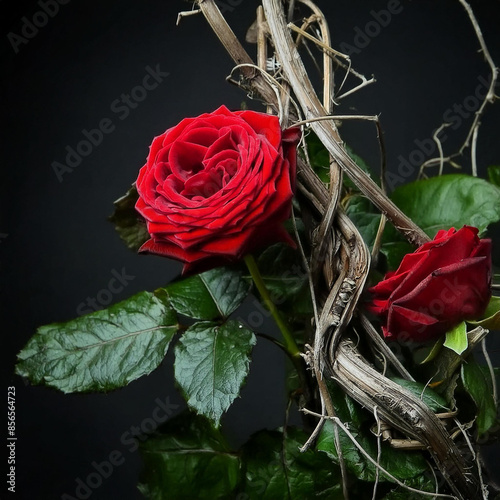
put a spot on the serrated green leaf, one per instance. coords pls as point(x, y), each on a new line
point(477, 382)
point(276, 469)
point(210, 295)
point(346, 409)
point(456, 339)
point(433, 400)
point(494, 174)
point(211, 364)
point(103, 350)
point(128, 223)
point(491, 317)
point(188, 459)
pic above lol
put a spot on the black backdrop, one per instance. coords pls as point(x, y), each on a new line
point(71, 70)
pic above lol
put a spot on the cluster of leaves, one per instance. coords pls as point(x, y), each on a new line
point(108, 349)
point(189, 456)
point(441, 202)
point(191, 459)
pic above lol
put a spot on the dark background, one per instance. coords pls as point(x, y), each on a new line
point(57, 248)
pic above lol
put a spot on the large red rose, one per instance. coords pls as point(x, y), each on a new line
point(441, 284)
point(218, 186)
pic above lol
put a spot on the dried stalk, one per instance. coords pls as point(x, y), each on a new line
point(395, 404)
point(295, 73)
point(346, 264)
point(234, 48)
point(327, 61)
point(345, 429)
point(406, 413)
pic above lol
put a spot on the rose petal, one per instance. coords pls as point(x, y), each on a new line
point(407, 324)
point(218, 186)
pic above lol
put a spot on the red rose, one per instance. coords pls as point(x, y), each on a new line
point(218, 186)
point(441, 284)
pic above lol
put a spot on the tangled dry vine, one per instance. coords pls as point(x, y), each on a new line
point(340, 260)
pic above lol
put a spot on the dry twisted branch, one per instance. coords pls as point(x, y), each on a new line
point(334, 352)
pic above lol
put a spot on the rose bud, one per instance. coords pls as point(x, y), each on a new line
point(442, 283)
point(217, 187)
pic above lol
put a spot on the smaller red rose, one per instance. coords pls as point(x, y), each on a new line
point(218, 186)
point(442, 283)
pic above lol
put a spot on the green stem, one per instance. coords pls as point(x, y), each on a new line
point(290, 343)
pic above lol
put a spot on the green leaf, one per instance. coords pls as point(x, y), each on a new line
point(211, 364)
point(491, 317)
point(433, 400)
point(477, 382)
point(441, 202)
point(449, 201)
point(425, 482)
point(402, 464)
point(320, 160)
point(361, 212)
point(276, 469)
point(128, 222)
point(103, 350)
point(189, 459)
point(494, 174)
point(432, 352)
point(210, 295)
point(456, 338)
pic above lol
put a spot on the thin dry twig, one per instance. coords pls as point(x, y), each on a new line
point(328, 50)
point(472, 135)
point(276, 86)
point(379, 454)
point(374, 462)
point(297, 76)
point(382, 346)
point(442, 159)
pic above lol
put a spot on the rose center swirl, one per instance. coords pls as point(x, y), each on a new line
point(204, 161)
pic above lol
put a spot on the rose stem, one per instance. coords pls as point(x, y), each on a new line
point(290, 343)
